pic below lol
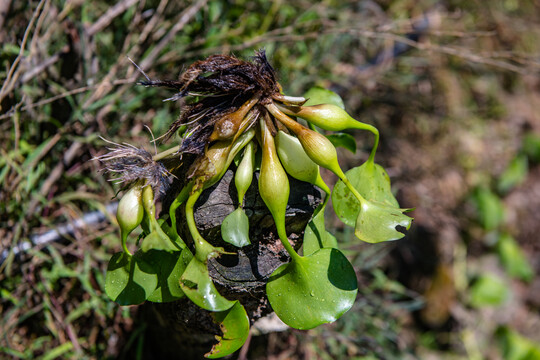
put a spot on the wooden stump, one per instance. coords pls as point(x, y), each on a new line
point(183, 328)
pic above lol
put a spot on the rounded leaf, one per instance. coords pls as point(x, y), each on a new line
point(234, 324)
point(313, 290)
point(371, 181)
point(171, 268)
point(199, 288)
point(315, 235)
point(129, 279)
point(379, 222)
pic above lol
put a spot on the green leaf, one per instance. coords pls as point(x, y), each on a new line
point(371, 181)
point(488, 290)
point(158, 240)
point(199, 288)
point(516, 347)
point(513, 258)
point(235, 228)
point(172, 234)
point(171, 267)
point(490, 208)
point(319, 95)
point(234, 324)
point(315, 236)
point(378, 222)
point(515, 173)
point(129, 280)
point(344, 140)
point(313, 290)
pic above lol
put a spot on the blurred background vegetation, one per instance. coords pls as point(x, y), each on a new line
point(453, 86)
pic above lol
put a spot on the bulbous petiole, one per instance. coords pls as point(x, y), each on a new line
point(331, 117)
point(317, 147)
point(274, 186)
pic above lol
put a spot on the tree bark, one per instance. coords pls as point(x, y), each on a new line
point(183, 328)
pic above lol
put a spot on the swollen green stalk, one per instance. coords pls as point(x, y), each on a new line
point(230, 124)
point(296, 162)
point(130, 213)
point(219, 157)
point(331, 117)
point(203, 250)
point(150, 212)
point(316, 146)
point(274, 186)
point(179, 200)
point(244, 172)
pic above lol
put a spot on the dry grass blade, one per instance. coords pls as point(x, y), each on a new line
point(13, 73)
point(108, 17)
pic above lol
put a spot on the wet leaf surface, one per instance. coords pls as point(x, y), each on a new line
point(313, 290)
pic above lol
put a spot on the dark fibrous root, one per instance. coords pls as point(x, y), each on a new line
point(219, 85)
point(131, 164)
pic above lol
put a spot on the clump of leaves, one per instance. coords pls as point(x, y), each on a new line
point(232, 109)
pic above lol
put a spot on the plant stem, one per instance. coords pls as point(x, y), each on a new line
point(353, 190)
point(283, 118)
point(362, 126)
point(203, 249)
point(282, 233)
point(166, 153)
point(319, 182)
point(375, 132)
point(124, 242)
point(177, 202)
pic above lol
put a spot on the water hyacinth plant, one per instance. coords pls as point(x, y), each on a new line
point(235, 116)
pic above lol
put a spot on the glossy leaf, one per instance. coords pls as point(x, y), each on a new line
point(319, 95)
point(372, 182)
point(172, 234)
point(158, 240)
point(234, 324)
point(199, 288)
point(313, 290)
point(316, 236)
point(380, 222)
point(129, 280)
point(343, 140)
point(171, 267)
point(513, 259)
point(235, 228)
